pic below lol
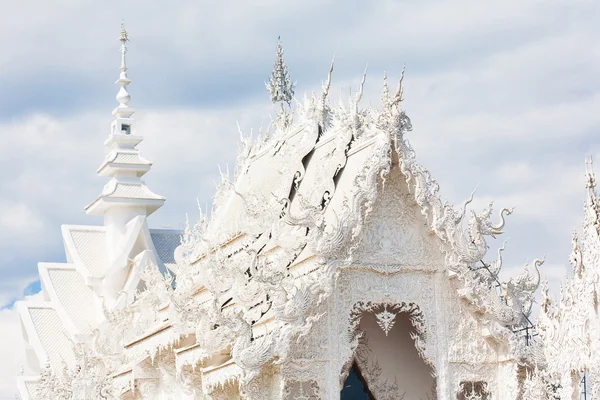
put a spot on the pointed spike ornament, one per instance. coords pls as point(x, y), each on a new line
point(280, 86)
point(589, 174)
point(592, 203)
point(327, 85)
point(324, 93)
point(123, 96)
point(385, 96)
point(360, 89)
point(399, 96)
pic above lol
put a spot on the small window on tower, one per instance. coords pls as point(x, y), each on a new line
point(125, 129)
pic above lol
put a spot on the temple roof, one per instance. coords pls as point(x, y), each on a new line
point(250, 279)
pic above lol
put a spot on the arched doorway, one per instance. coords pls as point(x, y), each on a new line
point(386, 364)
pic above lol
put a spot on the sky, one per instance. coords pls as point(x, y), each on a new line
point(503, 95)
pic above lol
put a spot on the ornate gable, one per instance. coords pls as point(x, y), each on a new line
point(396, 235)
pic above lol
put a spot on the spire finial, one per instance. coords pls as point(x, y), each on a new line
point(280, 86)
point(398, 97)
point(589, 174)
point(123, 39)
point(327, 84)
point(123, 96)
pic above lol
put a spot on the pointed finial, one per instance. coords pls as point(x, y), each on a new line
point(280, 86)
point(327, 84)
point(590, 177)
point(385, 96)
point(123, 38)
point(359, 93)
point(592, 202)
point(361, 87)
point(398, 97)
point(123, 96)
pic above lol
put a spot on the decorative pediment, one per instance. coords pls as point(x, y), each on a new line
point(396, 235)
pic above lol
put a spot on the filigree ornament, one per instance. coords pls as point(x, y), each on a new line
point(301, 395)
point(386, 320)
point(89, 379)
point(475, 391)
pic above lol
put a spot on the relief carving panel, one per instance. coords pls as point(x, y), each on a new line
point(395, 233)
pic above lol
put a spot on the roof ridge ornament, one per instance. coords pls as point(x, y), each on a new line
point(385, 95)
point(280, 85)
point(359, 93)
point(324, 93)
point(589, 173)
point(593, 202)
point(327, 84)
point(399, 95)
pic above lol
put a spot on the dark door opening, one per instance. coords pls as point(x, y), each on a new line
point(355, 387)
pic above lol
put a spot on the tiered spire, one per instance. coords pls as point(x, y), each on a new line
point(280, 86)
point(125, 195)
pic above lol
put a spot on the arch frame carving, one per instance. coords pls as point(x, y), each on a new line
point(363, 289)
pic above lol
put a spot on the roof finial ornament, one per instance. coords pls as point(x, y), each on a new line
point(589, 174)
point(385, 96)
point(327, 84)
point(123, 96)
point(123, 38)
point(360, 89)
point(324, 93)
point(280, 86)
point(398, 97)
point(590, 183)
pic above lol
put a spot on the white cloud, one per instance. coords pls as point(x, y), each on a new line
point(12, 350)
point(17, 220)
point(14, 287)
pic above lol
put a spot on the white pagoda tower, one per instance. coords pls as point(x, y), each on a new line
point(102, 272)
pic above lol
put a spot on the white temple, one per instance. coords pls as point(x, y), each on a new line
point(330, 268)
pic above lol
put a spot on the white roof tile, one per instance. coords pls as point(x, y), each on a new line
point(133, 191)
point(165, 242)
point(31, 387)
point(91, 248)
point(77, 299)
point(129, 158)
point(53, 337)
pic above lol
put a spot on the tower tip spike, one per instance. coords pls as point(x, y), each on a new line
point(123, 37)
point(399, 95)
point(123, 96)
point(361, 87)
point(589, 173)
point(385, 97)
point(328, 83)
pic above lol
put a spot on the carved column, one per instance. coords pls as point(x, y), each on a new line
point(443, 375)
